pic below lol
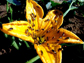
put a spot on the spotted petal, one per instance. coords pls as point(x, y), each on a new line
point(49, 53)
point(33, 7)
point(54, 18)
point(18, 29)
point(61, 36)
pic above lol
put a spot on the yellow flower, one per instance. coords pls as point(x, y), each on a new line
point(43, 33)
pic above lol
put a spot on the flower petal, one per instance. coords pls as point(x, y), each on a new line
point(33, 7)
point(48, 54)
point(61, 36)
point(18, 29)
point(34, 12)
point(54, 18)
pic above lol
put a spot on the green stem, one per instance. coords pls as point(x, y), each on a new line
point(33, 59)
point(26, 44)
point(66, 13)
point(70, 8)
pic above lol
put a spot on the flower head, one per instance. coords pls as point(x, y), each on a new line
point(44, 33)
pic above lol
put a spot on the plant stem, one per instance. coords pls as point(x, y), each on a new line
point(66, 13)
point(70, 8)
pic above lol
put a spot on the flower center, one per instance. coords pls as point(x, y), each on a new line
point(40, 40)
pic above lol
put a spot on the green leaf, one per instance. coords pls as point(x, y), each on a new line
point(81, 0)
point(33, 59)
point(5, 35)
point(26, 44)
point(15, 45)
point(53, 3)
point(14, 2)
point(7, 7)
